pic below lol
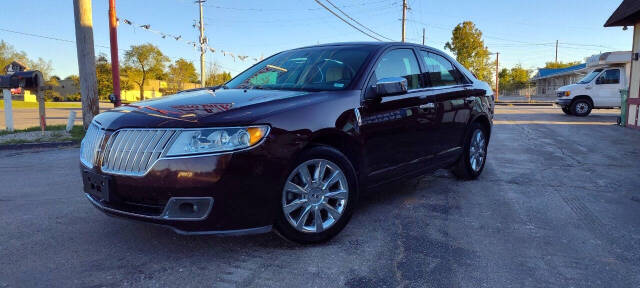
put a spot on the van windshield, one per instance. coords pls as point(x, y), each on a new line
point(310, 69)
point(590, 76)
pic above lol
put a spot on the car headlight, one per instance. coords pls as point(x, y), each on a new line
point(212, 140)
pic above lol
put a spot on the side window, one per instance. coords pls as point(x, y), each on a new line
point(439, 70)
point(400, 63)
point(609, 77)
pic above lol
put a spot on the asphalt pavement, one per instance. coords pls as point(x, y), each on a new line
point(557, 206)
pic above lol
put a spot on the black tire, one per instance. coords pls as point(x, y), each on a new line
point(285, 229)
point(581, 107)
point(566, 110)
point(463, 168)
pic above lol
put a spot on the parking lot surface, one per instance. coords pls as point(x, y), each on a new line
point(557, 206)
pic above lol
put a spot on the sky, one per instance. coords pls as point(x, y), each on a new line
point(523, 32)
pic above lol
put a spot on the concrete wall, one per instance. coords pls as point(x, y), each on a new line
point(548, 86)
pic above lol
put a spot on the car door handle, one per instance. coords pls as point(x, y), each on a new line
point(429, 105)
point(470, 99)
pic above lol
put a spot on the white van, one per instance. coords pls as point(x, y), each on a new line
point(600, 88)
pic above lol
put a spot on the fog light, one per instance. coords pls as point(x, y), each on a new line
point(187, 208)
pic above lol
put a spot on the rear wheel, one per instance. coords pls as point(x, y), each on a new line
point(566, 110)
point(471, 163)
point(318, 196)
point(581, 107)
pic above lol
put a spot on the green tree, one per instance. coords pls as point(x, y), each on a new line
point(103, 75)
point(215, 76)
point(556, 65)
point(8, 54)
point(144, 62)
point(468, 47)
point(44, 66)
point(514, 78)
point(52, 94)
point(182, 71)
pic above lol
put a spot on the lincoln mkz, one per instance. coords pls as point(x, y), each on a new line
point(290, 143)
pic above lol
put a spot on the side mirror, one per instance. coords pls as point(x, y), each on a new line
point(391, 86)
point(599, 81)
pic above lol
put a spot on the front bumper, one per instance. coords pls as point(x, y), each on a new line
point(242, 188)
point(563, 102)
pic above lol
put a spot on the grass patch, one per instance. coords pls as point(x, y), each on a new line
point(22, 104)
point(37, 128)
point(76, 134)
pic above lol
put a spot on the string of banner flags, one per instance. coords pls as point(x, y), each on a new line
point(195, 45)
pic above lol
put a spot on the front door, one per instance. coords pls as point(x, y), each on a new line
point(389, 124)
point(608, 88)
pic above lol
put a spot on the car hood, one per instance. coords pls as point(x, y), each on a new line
point(200, 108)
point(570, 87)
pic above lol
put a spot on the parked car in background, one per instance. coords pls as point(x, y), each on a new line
point(290, 142)
point(600, 89)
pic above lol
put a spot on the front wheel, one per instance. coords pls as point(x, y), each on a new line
point(471, 163)
point(581, 108)
point(318, 196)
point(566, 110)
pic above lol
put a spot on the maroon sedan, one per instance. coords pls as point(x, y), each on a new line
point(290, 142)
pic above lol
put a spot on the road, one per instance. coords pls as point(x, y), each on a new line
point(29, 117)
point(557, 206)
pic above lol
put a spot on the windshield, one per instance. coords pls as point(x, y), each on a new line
point(310, 69)
point(590, 76)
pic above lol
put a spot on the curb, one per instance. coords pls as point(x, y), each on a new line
point(25, 146)
point(524, 104)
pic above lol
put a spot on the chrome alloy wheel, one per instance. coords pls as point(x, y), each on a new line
point(582, 107)
point(477, 150)
point(315, 196)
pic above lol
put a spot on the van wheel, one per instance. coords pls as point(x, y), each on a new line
point(581, 108)
point(471, 163)
point(318, 197)
point(566, 110)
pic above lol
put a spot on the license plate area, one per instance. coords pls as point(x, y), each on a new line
point(96, 185)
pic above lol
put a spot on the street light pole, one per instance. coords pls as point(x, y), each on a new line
point(497, 78)
point(113, 41)
point(404, 18)
point(86, 60)
point(203, 41)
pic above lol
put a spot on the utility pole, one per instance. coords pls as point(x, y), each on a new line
point(423, 32)
point(497, 78)
point(203, 41)
point(86, 60)
point(556, 51)
point(113, 41)
point(404, 17)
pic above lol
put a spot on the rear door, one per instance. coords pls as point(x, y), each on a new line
point(608, 86)
point(448, 86)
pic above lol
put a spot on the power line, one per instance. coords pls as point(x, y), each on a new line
point(49, 37)
point(102, 46)
point(356, 21)
point(345, 21)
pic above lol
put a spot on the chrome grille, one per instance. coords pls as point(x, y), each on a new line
point(91, 145)
point(134, 151)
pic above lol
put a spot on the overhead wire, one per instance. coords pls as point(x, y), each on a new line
point(345, 21)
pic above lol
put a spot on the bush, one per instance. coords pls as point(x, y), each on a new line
point(73, 97)
point(51, 95)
